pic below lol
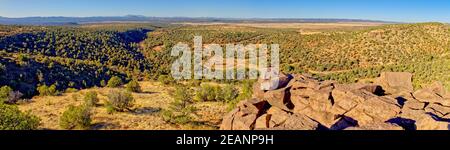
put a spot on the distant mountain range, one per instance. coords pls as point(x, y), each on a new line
point(145, 19)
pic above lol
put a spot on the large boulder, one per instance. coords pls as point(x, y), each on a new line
point(319, 100)
point(372, 110)
point(227, 122)
point(346, 98)
point(299, 122)
point(244, 116)
point(414, 104)
point(395, 82)
point(325, 118)
point(424, 121)
point(263, 122)
point(438, 110)
point(433, 94)
point(278, 117)
point(279, 98)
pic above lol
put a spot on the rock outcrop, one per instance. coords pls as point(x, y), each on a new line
point(300, 102)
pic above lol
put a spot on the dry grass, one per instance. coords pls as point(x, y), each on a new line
point(144, 117)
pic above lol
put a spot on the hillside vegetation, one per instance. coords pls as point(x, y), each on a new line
point(117, 76)
point(343, 56)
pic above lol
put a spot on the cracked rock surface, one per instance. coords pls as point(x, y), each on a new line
point(300, 102)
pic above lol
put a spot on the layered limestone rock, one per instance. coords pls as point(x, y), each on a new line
point(300, 102)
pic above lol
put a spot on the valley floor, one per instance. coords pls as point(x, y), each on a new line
point(145, 116)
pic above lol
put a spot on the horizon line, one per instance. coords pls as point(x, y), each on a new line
point(211, 17)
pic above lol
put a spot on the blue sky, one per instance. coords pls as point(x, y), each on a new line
point(389, 10)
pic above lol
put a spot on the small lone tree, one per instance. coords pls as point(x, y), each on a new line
point(76, 117)
point(45, 90)
point(5, 92)
point(91, 98)
point(114, 82)
point(11, 118)
point(181, 110)
point(119, 101)
point(133, 86)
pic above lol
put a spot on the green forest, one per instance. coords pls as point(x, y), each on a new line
point(78, 57)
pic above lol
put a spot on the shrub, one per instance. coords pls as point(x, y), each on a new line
point(5, 91)
point(76, 117)
point(195, 83)
point(45, 90)
point(103, 83)
point(114, 82)
point(120, 101)
point(11, 118)
point(247, 89)
point(181, 110)
point(134, 86)
point(2, 67)
point(166, 80)
point(71, 90)
point(229, 93)
point(91, 98)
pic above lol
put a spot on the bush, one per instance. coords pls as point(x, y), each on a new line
point(166, 80)
point(207, 93)
point(216, 93)
point(195, 83)
point(45, 90)
point(119, 101)
point(229, 93)
point(114, 82)
point(5, 92)
point(181, 110)
point(247, 89)
point(103, 83)
point(2, 67)
point(11, 118)
point(91, 98)
point(134, 86)
point(76, 117)
point(71, 90)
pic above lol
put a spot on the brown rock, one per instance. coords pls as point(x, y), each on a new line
point(373, 110)
point(299, 102)
point(372, 88)
point(245, 122)
point(252, 106)
point(279, 98)
point(263, 121)
point(414, 104)
point(429, 123)
point(227, 123)
point(278, 116)
point(377, 126)
point(346, 99)
point(438, 110)
point(429, 95)
point(327, 119)
point(395, 82)
point(244, 116)
point(316, 99)
point(439, 89)
point(299, 122)
point(424, 121)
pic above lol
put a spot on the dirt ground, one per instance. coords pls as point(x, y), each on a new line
point(146, 114)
